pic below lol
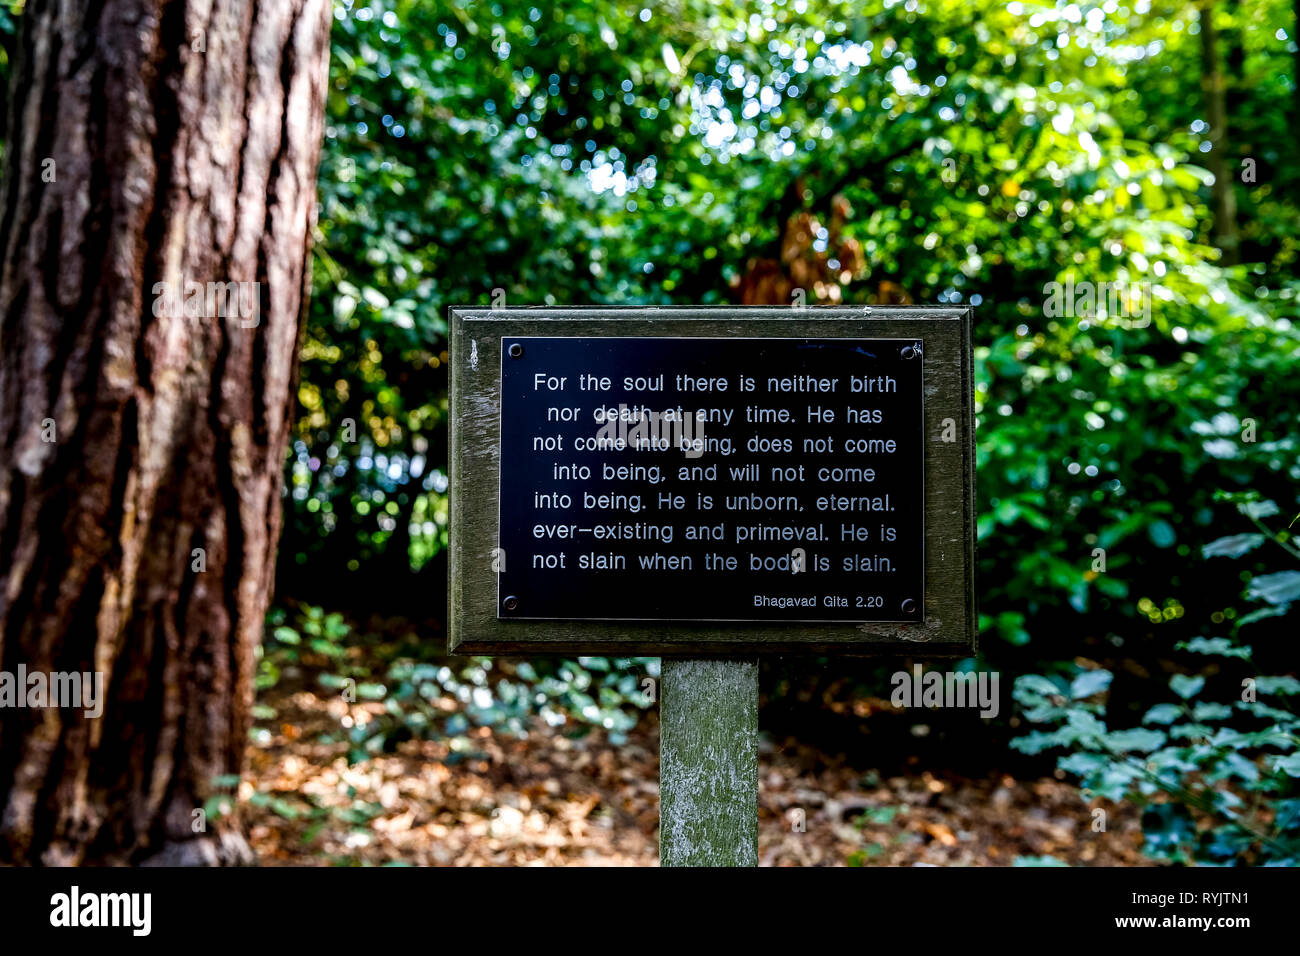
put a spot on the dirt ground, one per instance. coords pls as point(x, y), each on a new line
point(557, 800)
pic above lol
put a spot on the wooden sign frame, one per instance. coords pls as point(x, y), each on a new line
point(949, 627)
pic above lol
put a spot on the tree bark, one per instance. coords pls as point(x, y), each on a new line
point(1223, 193)
point(153, 145)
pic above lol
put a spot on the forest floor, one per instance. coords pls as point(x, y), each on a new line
point(555, 799)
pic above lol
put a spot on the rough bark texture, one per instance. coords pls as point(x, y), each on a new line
point(184, 138)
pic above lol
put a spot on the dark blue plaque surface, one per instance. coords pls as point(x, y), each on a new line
point(712, 479)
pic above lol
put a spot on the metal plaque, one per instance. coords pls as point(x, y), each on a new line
point(712, 479)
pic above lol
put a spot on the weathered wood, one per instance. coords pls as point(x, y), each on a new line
point(708, 763)
point(949, 626)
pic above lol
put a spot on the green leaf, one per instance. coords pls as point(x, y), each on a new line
point(1258, 509)
point(1163, 714)
point(218, 805)
point(286, 635)
point(1089, 683)
point(1035, 686)
point(1136, 738)
point(1082, 764)
point(1260, 614)
point(1210, 710)
point(1289, 765)
point(322, 646)
point(1233, 546)
point(1185, 685)
point(1034, 742)
point(282, 807)
point(1277, 685)
point(1220, 646)
point(1280, 588)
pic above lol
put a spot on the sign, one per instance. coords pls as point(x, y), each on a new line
point(692, 479)
point(704, 481)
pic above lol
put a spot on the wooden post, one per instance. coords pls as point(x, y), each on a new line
point(708, 763)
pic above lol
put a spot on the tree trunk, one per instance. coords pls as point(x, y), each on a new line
point(1223, 193)
point(158, 150)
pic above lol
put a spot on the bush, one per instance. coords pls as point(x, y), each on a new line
point(1216, 776)
point(424, 694)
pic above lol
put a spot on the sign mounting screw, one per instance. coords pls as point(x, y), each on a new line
point(911, 351)
point(909, 606)
point(516, 350)
point(511, 603)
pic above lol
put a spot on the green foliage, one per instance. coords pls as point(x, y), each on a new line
point(582, 154)
point(879, 817)
point(966, 152)
point(424, 695)
point(1217, 778)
